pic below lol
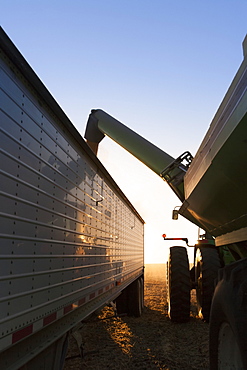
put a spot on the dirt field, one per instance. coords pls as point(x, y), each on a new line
point(149, 342)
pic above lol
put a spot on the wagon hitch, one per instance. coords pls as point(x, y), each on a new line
point(183, 239)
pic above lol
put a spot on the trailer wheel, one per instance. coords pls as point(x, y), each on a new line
point(178, 285)
point(207, 264)
point(228, 320)
point(122, 303)
point(142, 292)
point(136, 298)
point(131, 300)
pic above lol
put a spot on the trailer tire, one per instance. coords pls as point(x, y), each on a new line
point(142, 292)
point(178, 285)
point(207, 264)
point(228, 319)
point(131, 300)
point(122, 303)
point(136, 298)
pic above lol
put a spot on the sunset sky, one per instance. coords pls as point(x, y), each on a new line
point(161, 67)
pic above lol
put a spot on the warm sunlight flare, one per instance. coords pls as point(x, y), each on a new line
point(120, 333)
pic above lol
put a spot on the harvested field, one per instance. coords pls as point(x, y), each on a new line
point(149, 342)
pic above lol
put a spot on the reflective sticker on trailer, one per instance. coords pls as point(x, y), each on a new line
point(49, 319)
point(22, 333)
point(37, 325)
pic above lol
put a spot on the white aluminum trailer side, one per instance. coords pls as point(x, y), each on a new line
point(70, 241)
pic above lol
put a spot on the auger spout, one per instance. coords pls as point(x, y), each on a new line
point(170, 169)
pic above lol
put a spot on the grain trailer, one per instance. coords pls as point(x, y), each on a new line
point(70, 240)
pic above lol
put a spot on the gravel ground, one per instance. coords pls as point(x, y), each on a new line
point(149, 342)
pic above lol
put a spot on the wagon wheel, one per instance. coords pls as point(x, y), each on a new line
point(178, 285)
point(207, 264)
point(228, 319)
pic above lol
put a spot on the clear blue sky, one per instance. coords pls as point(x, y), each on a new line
point(161, 67)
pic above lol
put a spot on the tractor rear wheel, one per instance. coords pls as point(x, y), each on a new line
point(178, 285)
point(207, 264)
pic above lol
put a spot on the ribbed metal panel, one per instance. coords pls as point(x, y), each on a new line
point(66, 230)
